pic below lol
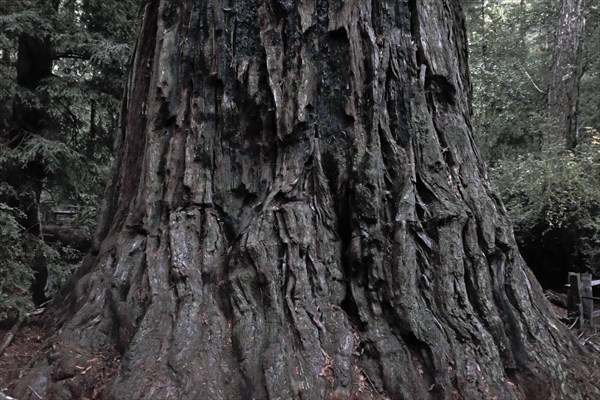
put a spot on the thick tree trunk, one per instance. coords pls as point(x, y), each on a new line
point(297, 210)
point(563, 92)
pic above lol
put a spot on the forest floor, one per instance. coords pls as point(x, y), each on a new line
point(28, 341)
point(31, 339)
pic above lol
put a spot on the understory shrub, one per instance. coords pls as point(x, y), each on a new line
point(553, 199)
point(15, 270)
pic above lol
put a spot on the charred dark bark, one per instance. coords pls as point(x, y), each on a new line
point(297, 210)
point(563, 92)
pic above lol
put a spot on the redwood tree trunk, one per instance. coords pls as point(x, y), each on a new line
point(297, 210)
point(563, 92)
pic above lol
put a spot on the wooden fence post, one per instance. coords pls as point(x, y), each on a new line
point(585, 293)
point(574, 305)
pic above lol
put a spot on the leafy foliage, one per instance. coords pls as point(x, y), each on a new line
point(510, 55)
point(61, 262)
point(15, 273)
point(18, 251)
point(590, 81)
point(554, 201)
point(553, 196)
point(90, 42)
point(60, 146)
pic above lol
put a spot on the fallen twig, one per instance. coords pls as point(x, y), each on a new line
point(34, 392)
point(382, 393)
point(588, 340)
point(576, 320)
point(11, 335)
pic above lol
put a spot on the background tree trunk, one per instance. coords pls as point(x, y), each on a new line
point(34, 64)
point(297, 210)
point(563, 92)
point(30, 118)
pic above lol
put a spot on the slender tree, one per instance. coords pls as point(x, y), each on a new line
point(563, 91)
point(297, 210)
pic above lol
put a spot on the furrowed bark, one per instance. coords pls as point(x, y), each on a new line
point(298, 211)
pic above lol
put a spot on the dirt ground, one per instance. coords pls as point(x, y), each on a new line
point(28, 342)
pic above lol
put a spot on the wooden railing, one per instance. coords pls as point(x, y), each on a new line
point(580, 300)
point(57, 214)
